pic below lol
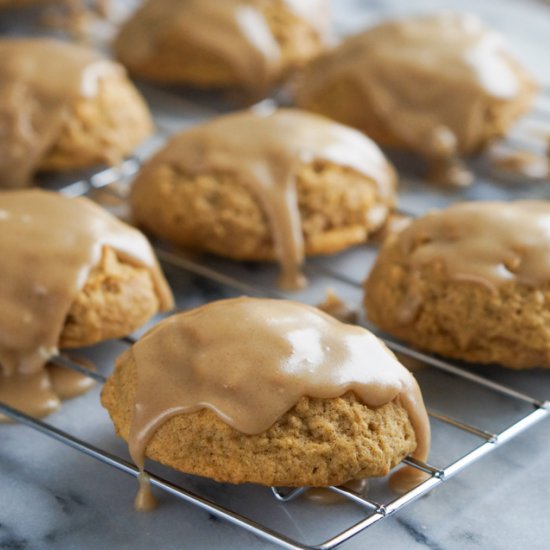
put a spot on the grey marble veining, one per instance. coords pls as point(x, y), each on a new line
point(54, 497)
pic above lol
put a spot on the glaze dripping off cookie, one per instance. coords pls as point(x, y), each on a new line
point(266, 391)
point(266, 185)
point(72, 275)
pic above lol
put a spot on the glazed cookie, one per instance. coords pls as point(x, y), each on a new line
point(266, 186)
point(301, 400)
point(72, 275)
point(470, 282)
point(440, 85)
point(62, 107)
point(246, 44)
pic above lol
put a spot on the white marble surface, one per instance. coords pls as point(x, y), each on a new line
point(54, 497)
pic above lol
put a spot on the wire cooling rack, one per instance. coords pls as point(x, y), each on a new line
point(446, 385)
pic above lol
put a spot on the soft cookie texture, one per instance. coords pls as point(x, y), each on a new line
point(234, 186)
point(62, 107)
point(72, 275)
point(439, 85)
point(217, 213)
point(266, 391)
point(318, 442)
point(117, 299)
point(231, 44)
point(469, 282)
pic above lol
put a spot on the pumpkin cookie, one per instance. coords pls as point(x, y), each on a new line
point(266, 186)
point(440, 85)
point(470, 282)
point(72, 275)
point(246, 44)
point(266, 391)
point(63, 106)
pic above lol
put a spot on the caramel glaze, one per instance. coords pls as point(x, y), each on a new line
point(49, 244)
point(40, 394)
point(40, 80)
point(265, 151)
point(408, 69)
point(235, 31)
point(145, 499)
point(488, 243)
point(30, 393)
point(277, 351)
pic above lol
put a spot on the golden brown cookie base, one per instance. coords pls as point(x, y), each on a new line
point(319, 442)
point(101, 129)
point(117, 299)
point(215, 213)
point(459, 319)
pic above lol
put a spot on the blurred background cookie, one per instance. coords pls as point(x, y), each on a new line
point(439, 85)
point(471, 282)
point(266, 186)
point(63, 106)
point(242, 44)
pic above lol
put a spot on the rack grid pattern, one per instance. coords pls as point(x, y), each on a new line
point(372, 510)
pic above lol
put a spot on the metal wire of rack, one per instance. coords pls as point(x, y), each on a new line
point(373, 511)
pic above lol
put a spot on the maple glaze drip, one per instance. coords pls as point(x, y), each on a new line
point(40, 80)
point(145, 500)
point(251, 360)
point(49, 244)
point(30, 393)
point(40, 393)
point(265, 150)
point(487, 243)
point(407, 70)
point(67, 383)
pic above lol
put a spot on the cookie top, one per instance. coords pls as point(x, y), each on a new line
point(41, 79)
point(264, 151)
point(49, 244)
point(235, 41)
point(250, 361)
point(471, 282)
point(424, 77)
point(486, 242)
